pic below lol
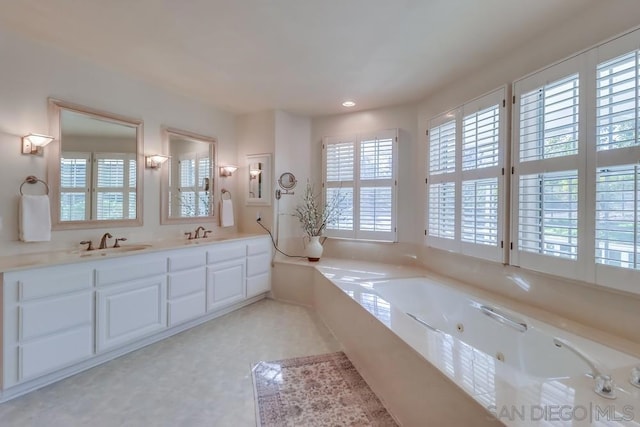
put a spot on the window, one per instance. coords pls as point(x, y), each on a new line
point(548, 182)
point(360, 175)
point(465, 183)
point(576, 175)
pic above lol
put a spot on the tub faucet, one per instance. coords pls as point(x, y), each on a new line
point(103, 241)
point(634, 379)
point(604, 386)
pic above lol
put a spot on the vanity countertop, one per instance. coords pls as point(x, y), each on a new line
point(72, 256)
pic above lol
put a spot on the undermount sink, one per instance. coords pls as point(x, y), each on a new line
point(108, 251)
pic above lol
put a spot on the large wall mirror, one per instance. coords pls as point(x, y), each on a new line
point(259, 179)
point(188, 185)
point(94, 168)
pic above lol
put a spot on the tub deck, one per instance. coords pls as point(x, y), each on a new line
point(386, 345)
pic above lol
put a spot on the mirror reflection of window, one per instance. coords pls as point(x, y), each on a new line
point(192, 195)
point(97, 186)
point(97, 169)
point(190, 189)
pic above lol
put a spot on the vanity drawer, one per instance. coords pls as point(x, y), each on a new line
point(187, 259)
point(47, 316)
point(50, 281)
point(124, 269)
point(226, 251)
point(258, 246)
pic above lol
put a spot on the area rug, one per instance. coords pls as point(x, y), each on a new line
point(324, 390)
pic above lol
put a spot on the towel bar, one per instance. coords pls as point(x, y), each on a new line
point(31, 179)
point(223, 191)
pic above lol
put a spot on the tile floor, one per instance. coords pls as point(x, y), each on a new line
point(200, 377)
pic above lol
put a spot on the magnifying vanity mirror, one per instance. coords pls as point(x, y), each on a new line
point(95, 168)
point(259, 180)
point(188, 185)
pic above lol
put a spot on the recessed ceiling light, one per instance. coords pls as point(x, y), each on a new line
point(348, 104)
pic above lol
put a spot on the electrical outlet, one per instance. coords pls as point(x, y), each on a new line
point(259, 216)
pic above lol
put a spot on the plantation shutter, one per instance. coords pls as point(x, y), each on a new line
point(442, 188)
point(75, 180)
point(360, 174)
point(617, 173)
point(548, 182)
point(377, 186)
point(339, 182)
point(465, 181)
point(482, 189)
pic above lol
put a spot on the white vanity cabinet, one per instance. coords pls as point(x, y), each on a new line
point(59, 320)
point(47, 321)
point(258, 266)
point(187, 285)
point(131, 296)
point(226, 282)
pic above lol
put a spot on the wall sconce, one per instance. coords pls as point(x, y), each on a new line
point(34, 143)
point(155, 161)
point(227, 170)
point(254, 173)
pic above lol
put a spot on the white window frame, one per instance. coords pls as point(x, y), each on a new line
point(625, 279)
point(458, 176)
point(356, 184)
point(587, 162)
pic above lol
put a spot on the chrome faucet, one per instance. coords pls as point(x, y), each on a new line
point(634, 379)
point(604, 386)
point(103, 241)
point(197, 235)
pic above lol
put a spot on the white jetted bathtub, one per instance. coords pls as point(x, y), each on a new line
point(515, 366)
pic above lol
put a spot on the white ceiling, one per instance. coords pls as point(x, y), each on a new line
point(301, 56)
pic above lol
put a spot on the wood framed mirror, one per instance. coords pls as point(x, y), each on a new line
point(188, 182)
point(95, 168)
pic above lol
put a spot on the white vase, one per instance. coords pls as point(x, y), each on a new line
point(314, 249)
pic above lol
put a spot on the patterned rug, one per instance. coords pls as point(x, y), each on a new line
point(324, 390)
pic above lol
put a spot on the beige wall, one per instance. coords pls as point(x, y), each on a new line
point(32, 72)
point(255, 135)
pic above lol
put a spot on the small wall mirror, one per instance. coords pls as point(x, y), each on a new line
point(287, 181)
point(259, 179)
point(95, 168)
point(188, 185)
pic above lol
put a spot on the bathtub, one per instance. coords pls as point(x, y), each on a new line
point(520, 369)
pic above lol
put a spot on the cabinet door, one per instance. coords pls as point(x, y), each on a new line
point(225, 284)
point(130, 310)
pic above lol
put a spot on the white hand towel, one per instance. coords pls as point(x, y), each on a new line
point(226, 213)
point(34, 218)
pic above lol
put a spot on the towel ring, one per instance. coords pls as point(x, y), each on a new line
point(31, 179)
point(224, 191)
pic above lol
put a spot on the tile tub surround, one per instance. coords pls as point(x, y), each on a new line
point(611, 311)
point(200, 377)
